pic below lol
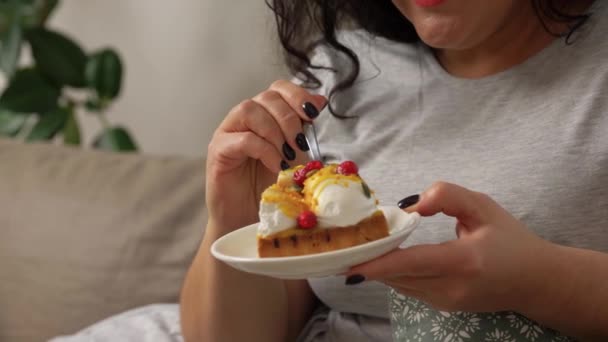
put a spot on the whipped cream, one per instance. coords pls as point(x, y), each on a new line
point(342, 204)
point(273, 220)
point(336, 199)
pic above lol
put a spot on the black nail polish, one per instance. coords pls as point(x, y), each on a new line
point(310, 110)
point(289, 153)
point(408, 201)
point(284, 165)
point(301, 141)
point(354, 279)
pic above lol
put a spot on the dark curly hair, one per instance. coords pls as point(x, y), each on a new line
point(304, 24)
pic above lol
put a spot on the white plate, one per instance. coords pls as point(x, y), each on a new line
point(239, 250)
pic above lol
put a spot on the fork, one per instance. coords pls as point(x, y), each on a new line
point(311, 138)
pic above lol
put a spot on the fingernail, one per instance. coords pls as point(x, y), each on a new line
point(301, 141)
point(408, 201)
point(354, 279)
point(289, 153)
point(284, 165)
point(310, 110)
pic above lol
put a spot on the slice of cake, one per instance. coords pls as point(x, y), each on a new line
point(316, 208)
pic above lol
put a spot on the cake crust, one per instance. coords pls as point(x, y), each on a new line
point(323, 240)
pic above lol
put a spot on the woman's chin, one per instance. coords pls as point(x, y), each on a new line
point(439, 42)
point(440, 35)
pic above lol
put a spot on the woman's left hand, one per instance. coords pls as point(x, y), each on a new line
point(495, 264)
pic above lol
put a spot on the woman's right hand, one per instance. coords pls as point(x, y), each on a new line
point(258, 138)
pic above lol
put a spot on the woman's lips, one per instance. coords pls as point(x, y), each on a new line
point(428, 3)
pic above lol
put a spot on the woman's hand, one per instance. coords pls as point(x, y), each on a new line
point(495, 264)
point(257, 138)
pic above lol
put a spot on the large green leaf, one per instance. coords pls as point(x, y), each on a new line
point(49, 124)
point(71, 130)
point(57, 56)
point(104, 73)
point(11, 41)
point(29, 92)
point(38, 12)
point(115, 139)
point(11, 123)
point(34, 13)
point(6, 13)
point(7, 3)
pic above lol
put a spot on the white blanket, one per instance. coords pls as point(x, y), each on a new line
point(153, 323)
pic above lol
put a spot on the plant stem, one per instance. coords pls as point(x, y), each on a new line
point(101, 114)
point(103, 120)
point(46, 10)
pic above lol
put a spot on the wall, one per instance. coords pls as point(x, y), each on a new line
point(187, 63)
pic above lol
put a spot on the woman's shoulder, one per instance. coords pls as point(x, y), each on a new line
point(582, 53)
point(366, 46)
point(375, 55)
point(593, 31)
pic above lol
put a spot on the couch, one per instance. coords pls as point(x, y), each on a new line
point(85, 235)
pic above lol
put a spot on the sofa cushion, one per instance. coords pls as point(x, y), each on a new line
point(88, 234)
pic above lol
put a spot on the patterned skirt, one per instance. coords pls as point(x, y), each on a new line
point(413, 320)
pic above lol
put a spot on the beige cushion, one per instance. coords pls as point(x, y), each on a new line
point(85, 235)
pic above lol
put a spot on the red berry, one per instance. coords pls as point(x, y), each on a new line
point(307, 220)
point(348, 168)
point(299, 176)
point(313, 165)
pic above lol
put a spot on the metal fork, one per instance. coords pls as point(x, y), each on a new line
point(311, 138)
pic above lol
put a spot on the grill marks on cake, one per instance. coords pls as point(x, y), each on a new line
point(324, 240)
point(294, 197)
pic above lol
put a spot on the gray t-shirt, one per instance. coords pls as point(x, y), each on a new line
point(534, 137)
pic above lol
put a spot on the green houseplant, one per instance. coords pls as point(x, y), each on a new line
point(41, 100)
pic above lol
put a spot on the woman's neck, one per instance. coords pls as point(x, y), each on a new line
point(521, 38)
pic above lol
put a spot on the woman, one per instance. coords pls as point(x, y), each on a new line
point(505, 98)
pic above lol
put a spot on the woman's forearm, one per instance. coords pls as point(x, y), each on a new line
point(219, 303)
point(570, 292)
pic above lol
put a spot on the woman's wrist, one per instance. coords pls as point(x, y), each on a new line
point(545, 285)
point(221, 225)
point(569, 280)
point(536, 275)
